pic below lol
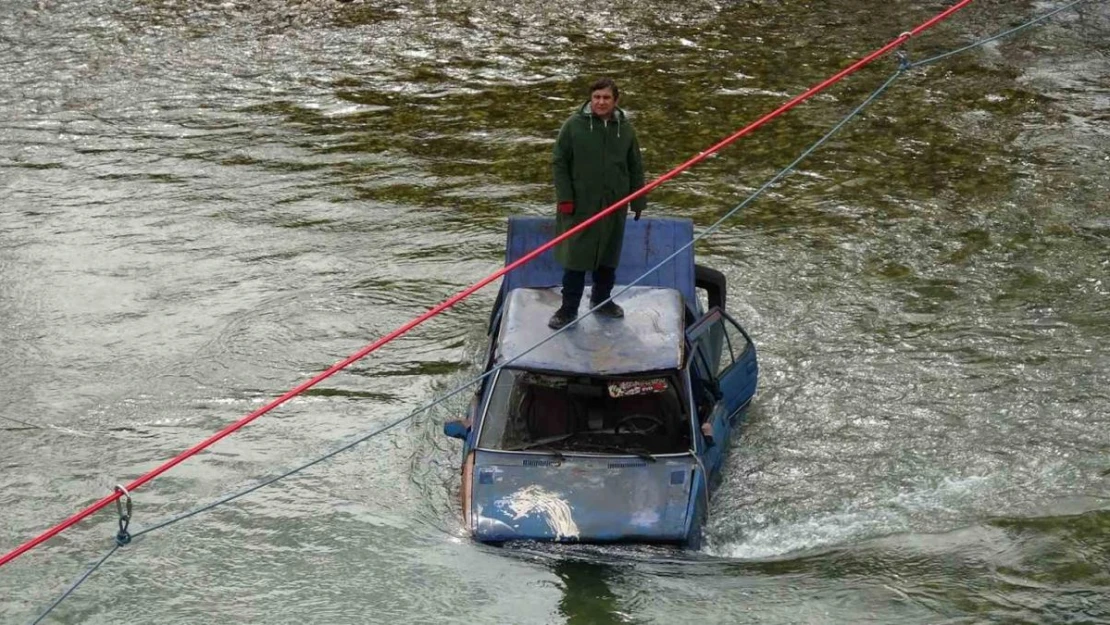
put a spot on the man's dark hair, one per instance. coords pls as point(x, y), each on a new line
point(606, 83)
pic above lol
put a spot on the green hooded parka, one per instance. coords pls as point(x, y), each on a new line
point(595, 163)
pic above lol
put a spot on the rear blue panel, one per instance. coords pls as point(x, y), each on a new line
point(646, 243)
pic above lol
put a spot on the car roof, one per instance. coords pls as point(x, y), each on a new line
point(648, 338)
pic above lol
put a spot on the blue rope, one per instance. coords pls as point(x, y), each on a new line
point(74, 585)
point(298, 469)
point(1000, 35)
point(903, 67)
point(779, 176)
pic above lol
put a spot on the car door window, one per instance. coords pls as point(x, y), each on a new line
point(712, 340)
point(737, 342)
point(709, 344)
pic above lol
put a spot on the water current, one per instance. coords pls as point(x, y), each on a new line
point(204, 203)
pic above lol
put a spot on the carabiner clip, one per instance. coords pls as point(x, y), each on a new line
point(903, 56)
point(124, 510)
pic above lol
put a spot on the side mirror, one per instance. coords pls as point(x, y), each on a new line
point(456, 429)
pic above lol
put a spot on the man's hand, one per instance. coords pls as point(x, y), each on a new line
point(566, 208)
point(636, 212)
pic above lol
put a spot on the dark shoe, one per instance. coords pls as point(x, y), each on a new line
point(560, 319)
point(610, 309)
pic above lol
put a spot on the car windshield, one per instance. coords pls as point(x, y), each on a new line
point(641, 415)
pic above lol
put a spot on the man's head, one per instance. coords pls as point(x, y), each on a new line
point(603, 97)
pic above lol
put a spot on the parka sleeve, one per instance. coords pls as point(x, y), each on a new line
point(636, 172)
point(562, 160)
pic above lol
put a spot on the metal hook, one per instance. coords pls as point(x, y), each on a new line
point(903, 56)
point(123, 537)
point(119, 502)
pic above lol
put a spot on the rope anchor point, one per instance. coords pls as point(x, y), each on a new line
point(903, 60)
point(123, 537)
point(903, 56)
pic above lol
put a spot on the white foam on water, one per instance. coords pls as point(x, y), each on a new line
point(819, 531)
point(857, 521)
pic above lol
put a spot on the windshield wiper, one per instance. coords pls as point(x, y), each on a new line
point(558, 455)
point(544, 443)
point(643, 454)
point(640, 453)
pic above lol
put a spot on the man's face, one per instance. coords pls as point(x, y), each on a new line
point(602, 102)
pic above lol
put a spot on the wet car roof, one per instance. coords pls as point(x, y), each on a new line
point(648, 338)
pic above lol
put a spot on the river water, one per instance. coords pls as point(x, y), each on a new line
point(203, 204)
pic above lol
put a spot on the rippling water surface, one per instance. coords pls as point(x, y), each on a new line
point(203, 204)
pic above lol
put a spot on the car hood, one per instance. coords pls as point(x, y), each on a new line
point(579, 498)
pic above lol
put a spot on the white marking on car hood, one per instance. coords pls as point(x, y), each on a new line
point(534, 499)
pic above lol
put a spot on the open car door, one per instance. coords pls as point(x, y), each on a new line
point(730, 357)
point(723, 375)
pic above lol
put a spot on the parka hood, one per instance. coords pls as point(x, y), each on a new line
point(619, 116)
point(588, 111)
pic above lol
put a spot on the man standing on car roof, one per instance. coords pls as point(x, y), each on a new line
point(596, 162)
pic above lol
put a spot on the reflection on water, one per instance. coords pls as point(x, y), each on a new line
point(587, 598)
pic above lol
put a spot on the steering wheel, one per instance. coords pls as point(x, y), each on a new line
point(640, 424)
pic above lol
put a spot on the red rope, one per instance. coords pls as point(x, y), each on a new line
point(99, 505)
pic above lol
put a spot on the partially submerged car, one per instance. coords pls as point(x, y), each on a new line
point(613, 429)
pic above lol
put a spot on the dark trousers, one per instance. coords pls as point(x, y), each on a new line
point(574, 284)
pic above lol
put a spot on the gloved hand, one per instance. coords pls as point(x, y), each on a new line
point(636, 212)
point(566, 208)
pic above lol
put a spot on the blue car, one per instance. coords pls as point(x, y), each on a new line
point(614, 430)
